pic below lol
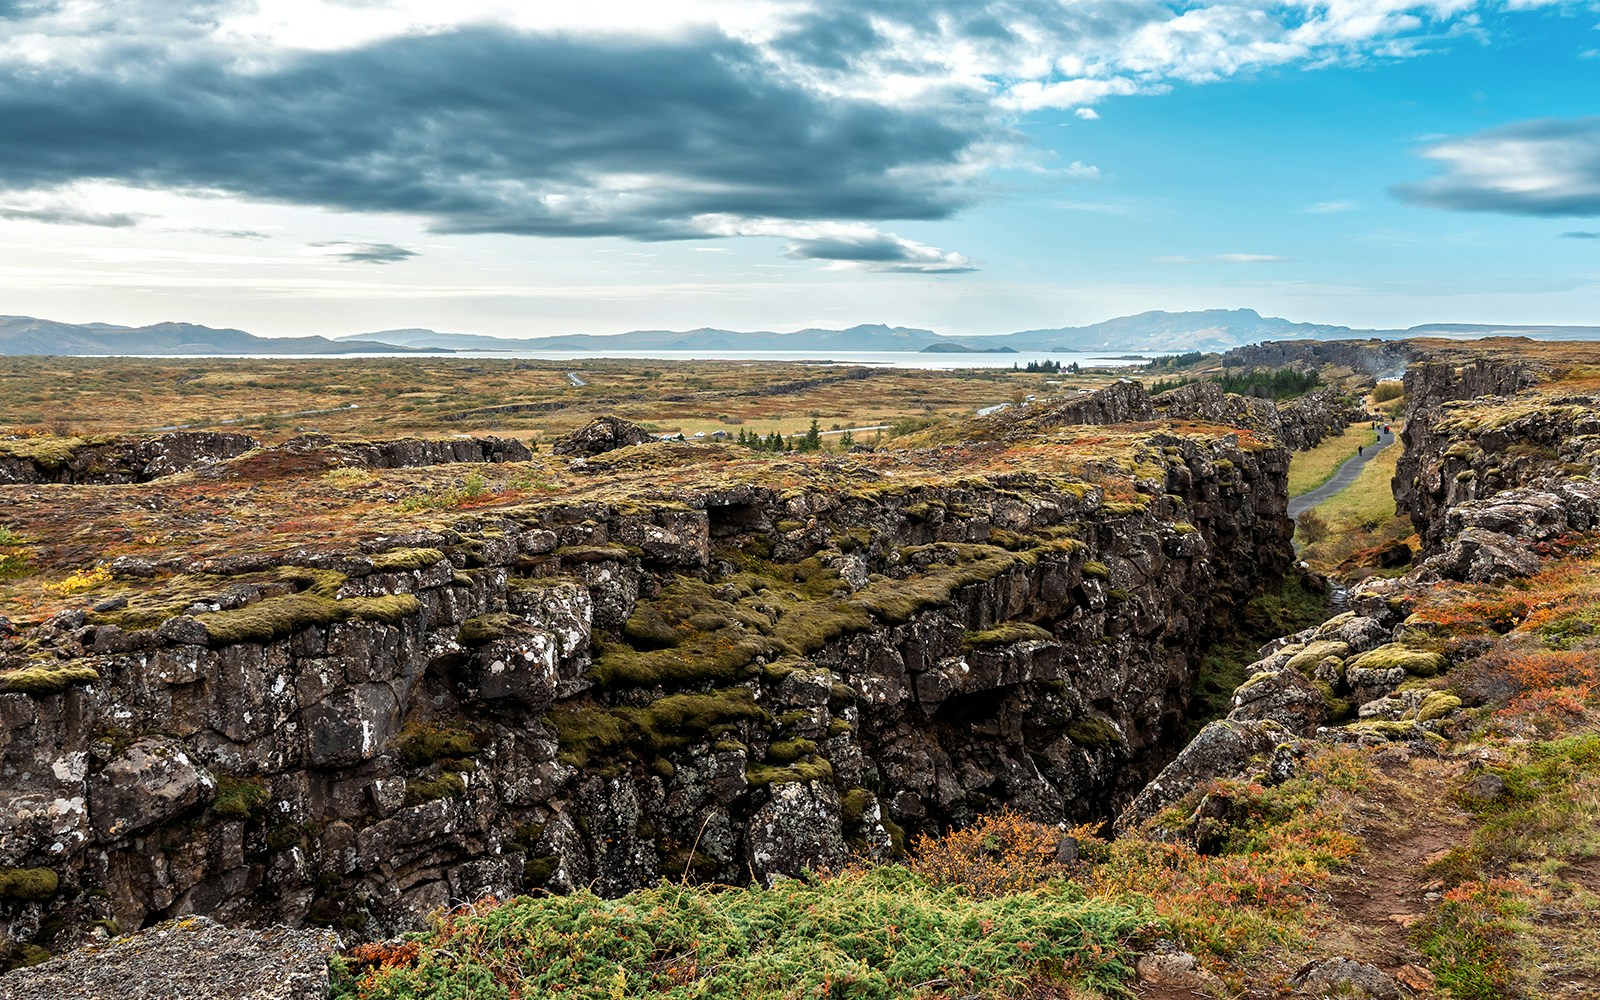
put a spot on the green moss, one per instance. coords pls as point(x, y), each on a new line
point(789, 751)
point(537, 871)
point(1391, 730)
point(484, 629)
point(1338, 709)
point(1122, 508)
point(279, 617)
point(1437, 705)
point(664, 726)
point(240, 798)
point(282, 836)
point(593, 553)
point(42, 679)
point(401, 560)
point(48, 453)
point(420, 744)
point(33, 885)
point(815, 769)
point(1097, 570)
point(1006, 634)
point(1184, 528)
point(838, 727)
point(445, 786)
point(1094, 734)
point(1314, 653)
point(853, 803)
point(786, 526)
point(1417, 662)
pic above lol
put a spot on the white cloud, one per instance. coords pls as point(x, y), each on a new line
point(1330, 207)
point(1087, 114)
point(1225, 258)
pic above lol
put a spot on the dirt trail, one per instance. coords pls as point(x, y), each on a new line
point(1412, 823)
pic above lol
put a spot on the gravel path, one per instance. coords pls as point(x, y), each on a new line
point(1346, 475)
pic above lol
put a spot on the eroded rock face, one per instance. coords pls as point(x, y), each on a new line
point(142, 459)
point(128, 460)
point(485, 734)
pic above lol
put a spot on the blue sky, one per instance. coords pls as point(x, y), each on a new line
point(335, 166)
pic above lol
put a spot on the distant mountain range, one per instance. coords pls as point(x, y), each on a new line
point(26, 335)
point(1204, 330)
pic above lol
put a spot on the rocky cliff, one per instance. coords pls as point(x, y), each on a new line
point(1498, 455)
point(725, 680)
point(1377, 358)
point(118, 460)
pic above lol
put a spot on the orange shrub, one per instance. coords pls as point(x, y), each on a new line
point(997, 855)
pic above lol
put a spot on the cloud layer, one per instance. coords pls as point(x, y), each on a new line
point(709, 119)
point(1549, 167)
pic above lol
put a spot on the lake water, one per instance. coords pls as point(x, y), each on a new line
point(879, 359)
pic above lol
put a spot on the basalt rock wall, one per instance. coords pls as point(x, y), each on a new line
point(741, 683)
point(1493, 466)
point(142, 459)
point(1378, 358)
point(1468, 436)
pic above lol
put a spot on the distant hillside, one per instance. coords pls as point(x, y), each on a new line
point(1205, 330)
point(27, 335)
point(865, 337)
point(1209, 330)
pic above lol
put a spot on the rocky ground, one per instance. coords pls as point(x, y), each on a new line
point(1402, 800)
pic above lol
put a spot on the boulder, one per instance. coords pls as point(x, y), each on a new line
point(152, 781)
point(797, 830)
point(192, 958)
point(1478, 555)
point(603, 434)
point(1222, 749)
point(1343, 977)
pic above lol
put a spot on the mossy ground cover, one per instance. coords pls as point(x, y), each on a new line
point(883, 932)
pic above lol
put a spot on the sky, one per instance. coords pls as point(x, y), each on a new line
point(331, 167)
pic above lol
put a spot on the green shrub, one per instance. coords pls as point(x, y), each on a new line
point(240, 798)
point(870, 934)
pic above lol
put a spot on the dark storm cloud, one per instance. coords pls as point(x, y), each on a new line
point(67, 216)
point(491, 131)
point(1549, 167)
point(877, 252)
point(366, 253)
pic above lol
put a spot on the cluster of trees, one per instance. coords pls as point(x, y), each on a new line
point(811, 440)
point(1046, 366)
point(1270, 383)
point(1176, 361)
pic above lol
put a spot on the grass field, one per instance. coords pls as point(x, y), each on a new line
point(269, 397)
point(1310, 469)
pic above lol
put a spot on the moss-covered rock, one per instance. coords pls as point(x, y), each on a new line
point(1416, 662)
point(46, 678)
point(1313, 653)
point(31, 885)
point(1437, 705)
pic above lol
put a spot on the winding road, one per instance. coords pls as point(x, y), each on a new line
point(1343, 477)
